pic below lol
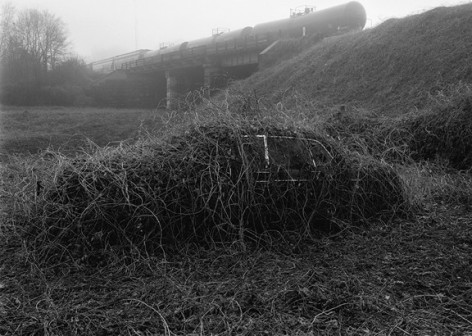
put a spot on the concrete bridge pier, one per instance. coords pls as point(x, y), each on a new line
point(211, 76)
point(172, 87)
point(181, 81)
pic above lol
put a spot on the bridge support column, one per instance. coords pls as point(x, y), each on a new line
point(172, 84)
point(211, 74)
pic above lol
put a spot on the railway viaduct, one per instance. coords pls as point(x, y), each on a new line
point(210, 62)
point(177, 76)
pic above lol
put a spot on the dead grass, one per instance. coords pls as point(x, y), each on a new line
point(409, 277)
point(393, 277)
point(33, 129)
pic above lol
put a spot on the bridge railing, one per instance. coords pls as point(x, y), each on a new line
point(197, 53)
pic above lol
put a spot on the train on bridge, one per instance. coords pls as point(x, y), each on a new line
point(343, 18)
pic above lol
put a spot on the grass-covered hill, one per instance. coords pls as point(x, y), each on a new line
point(391, 68)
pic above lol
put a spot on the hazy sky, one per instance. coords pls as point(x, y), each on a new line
point(103, 28)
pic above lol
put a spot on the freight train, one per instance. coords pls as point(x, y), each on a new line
point(116, 62)
point(347, 17)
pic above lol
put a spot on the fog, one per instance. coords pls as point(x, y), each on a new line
point(104, 28)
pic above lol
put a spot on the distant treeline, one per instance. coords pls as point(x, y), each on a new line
point(37, 68)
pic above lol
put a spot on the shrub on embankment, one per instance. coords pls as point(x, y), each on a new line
point(205, 185)
point(444, 130)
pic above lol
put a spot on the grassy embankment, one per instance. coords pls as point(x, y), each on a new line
point(389, 70)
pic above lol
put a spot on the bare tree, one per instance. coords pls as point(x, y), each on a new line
point(32, 43)
point(10, 54)
point(7, 22)
point(55, 40)
point(42, 35)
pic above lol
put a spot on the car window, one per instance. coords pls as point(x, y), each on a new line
point(255, 151)
point(287, 157)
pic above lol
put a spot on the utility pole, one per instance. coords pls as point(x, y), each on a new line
point(135, 26)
